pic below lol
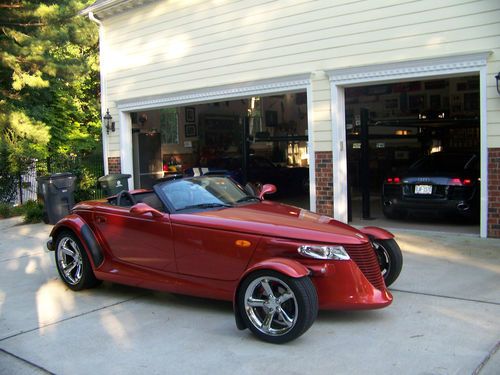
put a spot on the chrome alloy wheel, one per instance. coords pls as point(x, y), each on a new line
point(271, 306)
point(70, 260)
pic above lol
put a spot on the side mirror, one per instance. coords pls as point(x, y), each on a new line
point(267, 189)
point(143, 208)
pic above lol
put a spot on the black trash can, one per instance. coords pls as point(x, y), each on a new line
point(56, 193)
point(112, 184)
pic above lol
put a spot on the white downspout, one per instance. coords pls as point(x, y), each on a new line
point(103, 90)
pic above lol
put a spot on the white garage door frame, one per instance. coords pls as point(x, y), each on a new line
point(443, 67)
point(282, 85)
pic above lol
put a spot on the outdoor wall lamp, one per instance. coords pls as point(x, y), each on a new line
point(107, 118)
point(497, 77)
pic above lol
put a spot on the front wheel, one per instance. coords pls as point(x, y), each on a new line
point(277, 308)
point(72, 263)
point(389, 258)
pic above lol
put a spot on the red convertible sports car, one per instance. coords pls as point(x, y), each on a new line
point(210, 237)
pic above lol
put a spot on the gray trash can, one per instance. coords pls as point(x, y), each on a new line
point(56, 193)
point(112, 184)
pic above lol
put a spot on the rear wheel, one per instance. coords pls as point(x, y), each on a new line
point(72, 263)
point(277, 308)
point(389, 258)
point(392, 214)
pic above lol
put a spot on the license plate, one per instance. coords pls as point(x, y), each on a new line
point(423, 189)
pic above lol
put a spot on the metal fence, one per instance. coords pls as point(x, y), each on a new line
point(87, 169)
point(26, 186)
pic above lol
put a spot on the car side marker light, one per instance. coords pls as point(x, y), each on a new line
point(243, 243)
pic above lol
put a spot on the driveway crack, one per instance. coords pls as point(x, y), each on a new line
point(72, 317)
point(26, 362)
point(448, 297)
point(486, 359)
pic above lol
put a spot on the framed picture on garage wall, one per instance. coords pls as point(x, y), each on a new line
point(190, 113)
point(190, 130)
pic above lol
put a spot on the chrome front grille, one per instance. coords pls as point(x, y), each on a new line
point(366, 259)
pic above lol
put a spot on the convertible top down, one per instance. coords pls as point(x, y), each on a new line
point(208, 236)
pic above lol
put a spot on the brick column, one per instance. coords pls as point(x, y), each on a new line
point(494, 192)
point(324, 183)
point(114, 165)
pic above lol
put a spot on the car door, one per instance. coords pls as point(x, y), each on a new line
point(140, 240)
point(211, 253)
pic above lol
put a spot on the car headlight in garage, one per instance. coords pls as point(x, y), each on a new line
point(323, 252)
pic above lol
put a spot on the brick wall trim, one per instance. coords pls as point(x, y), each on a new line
point(324, 182)
point(494, 192)
point(114, 165)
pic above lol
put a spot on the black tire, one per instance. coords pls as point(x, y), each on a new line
point(390, 259)
point(271, 317)
point(392, 214)
point(72, 262)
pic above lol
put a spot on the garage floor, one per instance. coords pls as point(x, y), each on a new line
point(415, 223)
point(444, 320)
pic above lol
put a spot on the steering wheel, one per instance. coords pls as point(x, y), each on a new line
point(124, 196)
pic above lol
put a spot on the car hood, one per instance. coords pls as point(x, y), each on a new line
point(275, 220)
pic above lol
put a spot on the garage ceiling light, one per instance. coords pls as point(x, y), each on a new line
point(403, 132)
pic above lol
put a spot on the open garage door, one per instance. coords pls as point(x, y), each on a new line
point(259, 139)
point(413, 154)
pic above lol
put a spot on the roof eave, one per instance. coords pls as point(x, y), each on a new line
point(108, 8)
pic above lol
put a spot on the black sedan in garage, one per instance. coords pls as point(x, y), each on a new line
point(444, 184)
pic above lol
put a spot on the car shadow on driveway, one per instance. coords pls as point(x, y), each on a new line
point(348, 316)
point(184, 301)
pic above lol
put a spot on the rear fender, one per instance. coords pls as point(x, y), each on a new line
point(81, 229)
point(285, 266)
point(377, 233)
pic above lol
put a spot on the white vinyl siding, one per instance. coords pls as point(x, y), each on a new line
point(174, 46)
point(322, 124)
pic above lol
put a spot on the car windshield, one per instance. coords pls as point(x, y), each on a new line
point(439, 162)
point(204, 192)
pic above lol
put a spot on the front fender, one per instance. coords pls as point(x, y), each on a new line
point(285, 266)
point(377, 233)
point(288, 267)
point(81, 229)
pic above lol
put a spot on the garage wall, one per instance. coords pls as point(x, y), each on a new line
point(175, 45)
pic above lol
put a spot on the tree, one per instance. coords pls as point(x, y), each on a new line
point(49, 84)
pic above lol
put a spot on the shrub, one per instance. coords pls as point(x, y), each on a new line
point(5, 210)
point(17, 210)
point(33, 212)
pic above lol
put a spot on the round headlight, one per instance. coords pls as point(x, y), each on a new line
point(323, 252)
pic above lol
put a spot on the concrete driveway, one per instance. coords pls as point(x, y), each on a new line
point(445, 319)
